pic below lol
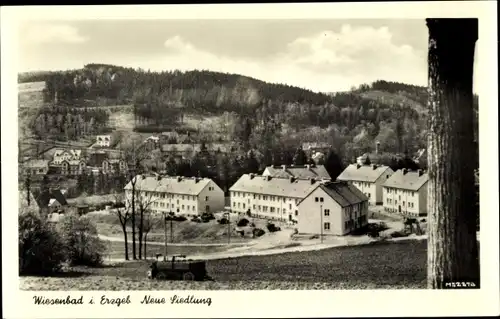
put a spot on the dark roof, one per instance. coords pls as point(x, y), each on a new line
point(43, 198)
point(341, 192)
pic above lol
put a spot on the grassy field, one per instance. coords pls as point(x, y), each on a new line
point(374, 266)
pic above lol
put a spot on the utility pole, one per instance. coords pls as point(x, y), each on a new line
point(171, 231)
point(321, 218)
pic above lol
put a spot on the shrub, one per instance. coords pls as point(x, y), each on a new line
point(81, 243)
point(179, 218)
point(272, 228)
point(243, 222)
point(398, 234)
point(208, 216)
point(40, 247)
point(223, 221)
point(257, 232)
point(196, 219)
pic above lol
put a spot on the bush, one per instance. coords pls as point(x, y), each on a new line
point(40, 247)
point(207, 216)
point(272, 228)
point(398, 234)
point(243, 222)
point(196, 219)
point(257, 232)
point(81, 243)
point(223, 221)
point(179, 218)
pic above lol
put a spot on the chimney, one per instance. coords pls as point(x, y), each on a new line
point(158, 177)
point(196, 179)
point(143, 176)
point(358, 166)
point(375, 166)
point(252, 175)
point(283, 167)
point(268, 178)
point(313, 181)
point(420, 172)
point(377, 147)
point(292, 179)
point(179, 178)
point(405, 171)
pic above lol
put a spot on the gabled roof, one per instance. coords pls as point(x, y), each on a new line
point(277, 186)
point(362, 173)
point(74, 153)
point(37, 163)
point(301, 171)
point(341, 192)
point(169, 184)
point(43, 198)
point(412, 180)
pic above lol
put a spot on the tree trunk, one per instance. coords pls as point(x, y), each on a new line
point(141, 225)
point(134, 255)
point(126, 239)
point(145, 245)
point(452, 243)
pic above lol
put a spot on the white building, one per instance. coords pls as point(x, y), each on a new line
point(405, 192)
point(368, 179)
point(269, 197)
point(332, 208)
point(181, 195)
point(103, 140)
point(298, 171)
point(61, 155)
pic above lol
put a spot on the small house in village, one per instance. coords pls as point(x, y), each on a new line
point(332, 208)
point(368, 179)
point(36, 167)
point(103, 140)
point(43, 202)
point(314, 147)
point(177, 194)
point(405, 192)
point(61, 155)
point(298, 171)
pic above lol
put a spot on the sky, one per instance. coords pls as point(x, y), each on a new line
point(320, 55)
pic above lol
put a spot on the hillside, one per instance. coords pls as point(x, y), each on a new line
point(273, 119)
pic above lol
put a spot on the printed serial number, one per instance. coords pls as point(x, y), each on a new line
point(460, 284)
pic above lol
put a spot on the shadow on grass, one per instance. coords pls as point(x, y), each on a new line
point(60, 274)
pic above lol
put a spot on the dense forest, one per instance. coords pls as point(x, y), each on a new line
point(272, 119)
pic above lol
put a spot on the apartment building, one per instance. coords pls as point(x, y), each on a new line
point(405, 192)
point(274, 198)
point(332, 208)
point(180, 195)
point(368, 179)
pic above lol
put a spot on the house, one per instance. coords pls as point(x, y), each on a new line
point(61, 155)
point(312, 148)
point(101, 161)
point(298, 171)
point(103, 140)
point(405, 192)
point(269, 197)
point(368, 179)
point(188, 150)
point(332, 208)
point(36, 167)
point(44, 202)
point(183, 195)
point(73, 167)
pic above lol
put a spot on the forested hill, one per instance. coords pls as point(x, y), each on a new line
point(268, 116)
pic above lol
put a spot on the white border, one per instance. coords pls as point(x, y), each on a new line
point(485, 301)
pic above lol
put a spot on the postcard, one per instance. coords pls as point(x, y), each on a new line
point(250, 160)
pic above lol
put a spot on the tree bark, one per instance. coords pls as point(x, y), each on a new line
point(134, 255)
point(141, 225)
point(452, 241)
point(126, 239)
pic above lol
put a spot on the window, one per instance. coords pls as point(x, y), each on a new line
point(234, 204)
point(177, 202)
point(369, 195)
point(321, 199)
point(272, 209)
point(327, 226)
point(254, 196)
point(238, 205)
point(243, 205)
point(290, 206)
point(182, 206)
point(316, 199)
point(168, 205)
point(194, 208)
point(403, 203)
point(296, 213)
point(260, 208)
point(182, 197)
point(206, 198)
point(327, 212)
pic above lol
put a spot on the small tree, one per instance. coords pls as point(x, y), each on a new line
point(40, 247)
point(80, 239)
point(123, 214)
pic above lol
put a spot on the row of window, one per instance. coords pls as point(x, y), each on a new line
point(167, 205)
point(410, 204)
point(403, 191)
point(263, 197)
point(394, 210)
point(168, 195)
point(362, 184)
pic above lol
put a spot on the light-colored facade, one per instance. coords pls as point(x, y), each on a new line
point(368, 179)
point(333, 208)
point(405, 192)
point(269, 197)
point(103, 140)
point(36, 167)
point(61, 155)
point(73, 167)
point(180, 195)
